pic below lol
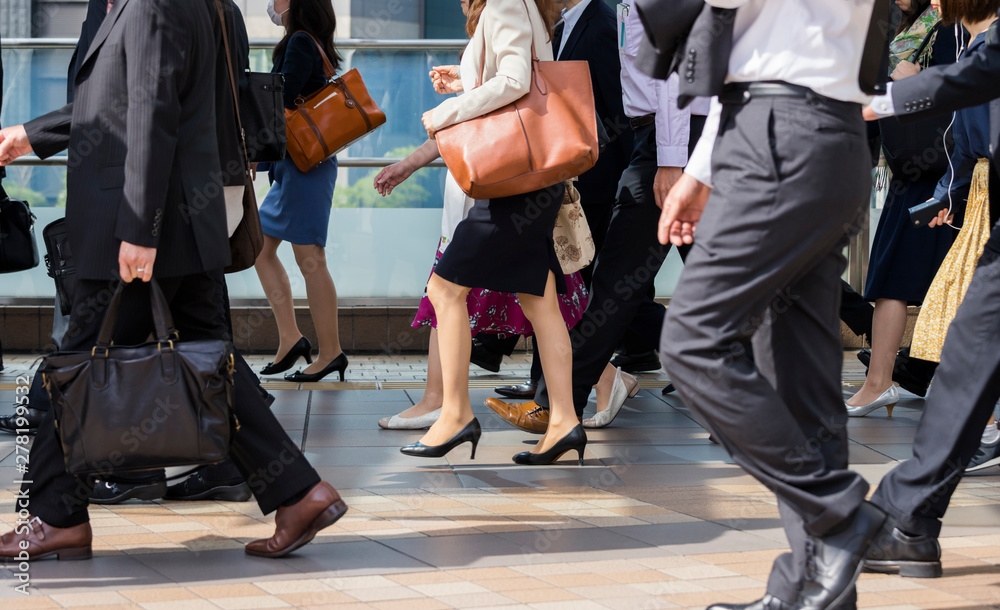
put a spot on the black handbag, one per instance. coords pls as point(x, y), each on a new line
point(144, 407)
point(920, 148)
point(18, 250)
point(262, 109)
point(59, 262)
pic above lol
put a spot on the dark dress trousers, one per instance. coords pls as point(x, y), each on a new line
point(967, 384)
point(160, 200)
point(593, 39)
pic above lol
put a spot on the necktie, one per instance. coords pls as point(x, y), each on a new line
point(874, 72)
point(110, 4)
point(557, 35)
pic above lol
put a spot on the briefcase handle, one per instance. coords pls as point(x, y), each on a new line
point(162, 320)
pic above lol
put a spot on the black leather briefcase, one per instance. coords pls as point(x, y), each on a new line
point(133, 408)
point(18, 250)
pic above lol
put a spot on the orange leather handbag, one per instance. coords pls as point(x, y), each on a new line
point(546, 137)
point(330, 119)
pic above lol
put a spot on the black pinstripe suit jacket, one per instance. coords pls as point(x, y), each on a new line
point(143, 153)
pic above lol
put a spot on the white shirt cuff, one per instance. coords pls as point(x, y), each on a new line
point(883, 105)
point(671, 156)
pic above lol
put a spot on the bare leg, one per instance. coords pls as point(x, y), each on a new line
point(556, 353)
point(455, 349)
point(888, 326)
point(322, 297)
point(434, 393)
point(278, 290)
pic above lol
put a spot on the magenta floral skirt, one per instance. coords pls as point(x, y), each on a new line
point(500, 312)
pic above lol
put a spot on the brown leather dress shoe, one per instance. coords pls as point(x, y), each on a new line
point(45, 541)
point(298, 524)
point(527, 416)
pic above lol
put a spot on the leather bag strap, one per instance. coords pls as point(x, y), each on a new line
point(534, 56)
point(232, 82)
point(327, 64)
point(163, 322)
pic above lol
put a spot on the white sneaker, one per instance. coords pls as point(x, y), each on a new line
point(420, 422)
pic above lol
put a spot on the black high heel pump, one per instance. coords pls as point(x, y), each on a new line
point(576, 440)
point(469, 434)
point(301, 348)
point(339, 365)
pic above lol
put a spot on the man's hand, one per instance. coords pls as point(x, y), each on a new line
point(666, 178)
point(869, 114)
point(13, 144)
point(135, 262)
point(682, 210)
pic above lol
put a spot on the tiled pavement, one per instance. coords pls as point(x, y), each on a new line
point(657, 518)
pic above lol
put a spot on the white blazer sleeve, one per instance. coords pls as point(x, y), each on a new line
point(509, 33)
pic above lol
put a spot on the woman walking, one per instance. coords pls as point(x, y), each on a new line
point(494, 249)
point(297, 208)
point(904, 258)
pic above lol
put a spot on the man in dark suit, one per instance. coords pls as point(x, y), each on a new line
point(141, 135)
point(966, 387)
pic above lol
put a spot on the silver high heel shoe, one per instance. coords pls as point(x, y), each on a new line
point(420, 422)
point(888, 399)
point(620, 390)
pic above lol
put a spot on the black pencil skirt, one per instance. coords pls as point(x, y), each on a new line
point(506, 244)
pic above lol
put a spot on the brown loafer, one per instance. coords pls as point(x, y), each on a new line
point(298, 524)
point(44, 541)
point(526, 416)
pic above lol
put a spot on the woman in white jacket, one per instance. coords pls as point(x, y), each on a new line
point(503, 244)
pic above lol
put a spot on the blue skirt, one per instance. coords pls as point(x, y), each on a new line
point(297, 208)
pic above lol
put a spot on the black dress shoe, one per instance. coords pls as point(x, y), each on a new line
point(893, 551)
point(576, 440)
point(768, 602)
point(195, 487)
point(834, 562)
point(302, 348)
point(524, 390)
point(469, 434)
point(912, 374)
point(27, 423)
point(339, 365)
point(637, 363)
point(485, 358)
point(115, 492)
point(669, 389)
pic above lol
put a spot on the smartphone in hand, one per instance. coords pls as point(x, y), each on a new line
point(921, 215)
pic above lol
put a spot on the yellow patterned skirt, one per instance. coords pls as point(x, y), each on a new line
point(955, 275)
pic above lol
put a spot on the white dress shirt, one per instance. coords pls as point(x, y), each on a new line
point(644, 95)
point(811, 43)
point(570, 17)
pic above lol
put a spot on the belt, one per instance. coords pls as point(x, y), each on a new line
point(742, 93)
point(641, 121)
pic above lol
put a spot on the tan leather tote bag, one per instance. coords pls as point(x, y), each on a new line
point(546, 137)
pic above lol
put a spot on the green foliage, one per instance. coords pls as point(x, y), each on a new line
point(34, 198)
point(414, 193)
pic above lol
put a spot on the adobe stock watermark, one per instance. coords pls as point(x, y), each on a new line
point(22, 500)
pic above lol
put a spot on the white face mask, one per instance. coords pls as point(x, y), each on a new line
point(274, 15)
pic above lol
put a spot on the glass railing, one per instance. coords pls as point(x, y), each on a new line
point(377, 247)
